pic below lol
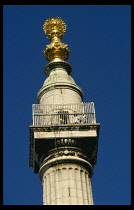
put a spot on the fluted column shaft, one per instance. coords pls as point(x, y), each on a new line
point(67, 184)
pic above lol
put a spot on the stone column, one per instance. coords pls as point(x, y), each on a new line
point(66, 177)
point(67, 184)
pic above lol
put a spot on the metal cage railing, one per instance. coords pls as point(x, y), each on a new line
point(57, 114)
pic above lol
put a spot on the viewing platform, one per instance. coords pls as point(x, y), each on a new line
point(58, 125)
point(63, 114)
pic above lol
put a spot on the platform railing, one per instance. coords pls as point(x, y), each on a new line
point(58, 114)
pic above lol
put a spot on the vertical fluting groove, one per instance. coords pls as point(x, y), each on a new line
point(51, 192)
point(80, 202)
point(54, 179)
point(69, 179)
point(73, 190)
point(58, 186)
point(68, 175)
point(57, 190)
point(86, 191)
point(87, 186)
point(68, 186)
point(48, 189)
point(91, 196)
point(82, 182)
point(77, 177)
point(81, 171)
point(62, 187)
point(44, 190)
point(80, 199)
point(84, 188)
point(76, 180)
point(66, 183)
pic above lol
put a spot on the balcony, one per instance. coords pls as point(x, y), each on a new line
point(63, 114)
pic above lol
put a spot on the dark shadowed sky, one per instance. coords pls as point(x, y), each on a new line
point(99, 39)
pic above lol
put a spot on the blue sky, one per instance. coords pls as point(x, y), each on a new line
point(99, 39)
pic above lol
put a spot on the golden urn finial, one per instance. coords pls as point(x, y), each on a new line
point(54, 27)
point(56, 51)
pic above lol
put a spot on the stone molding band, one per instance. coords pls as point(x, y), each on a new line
point(50, 66)
point(62, 160)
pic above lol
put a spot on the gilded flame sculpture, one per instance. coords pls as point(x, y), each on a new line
point(54, 27)
point(56, 51)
